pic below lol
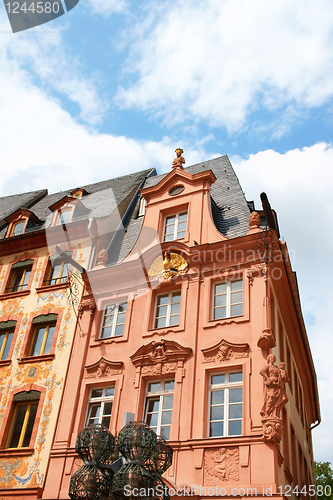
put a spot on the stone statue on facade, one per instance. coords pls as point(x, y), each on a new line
point(180, 160)
point(275, 379)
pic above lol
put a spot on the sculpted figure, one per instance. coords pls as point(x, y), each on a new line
point(274, 379)
point(180, 160)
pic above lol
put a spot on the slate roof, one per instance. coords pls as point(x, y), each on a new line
point(229, 207)
point(102, 199)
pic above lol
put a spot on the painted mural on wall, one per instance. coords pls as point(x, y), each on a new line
point(22, 472)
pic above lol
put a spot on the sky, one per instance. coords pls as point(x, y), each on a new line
point(114, 86)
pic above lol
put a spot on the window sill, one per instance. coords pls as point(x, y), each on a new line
point(5, 362)
point(225, 321)
point(17, 452)
point(107, 340)
point(164, 330)
point(36, 359)
point(11, 295)
point(50, 288)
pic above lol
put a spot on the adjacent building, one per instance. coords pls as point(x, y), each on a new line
point(39, 299)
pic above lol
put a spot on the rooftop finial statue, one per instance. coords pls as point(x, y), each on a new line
point(178, 162)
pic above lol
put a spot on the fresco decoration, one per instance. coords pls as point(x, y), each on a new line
point(11, 307)
point(7, 386)
point(25, 256)
point(38, 271)
point(34, 477)
point(50, 296)
point(9, 466)
point(17, 472)
point(2, 277)
point(81, 259)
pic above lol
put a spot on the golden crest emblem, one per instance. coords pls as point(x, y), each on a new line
point(172, 265)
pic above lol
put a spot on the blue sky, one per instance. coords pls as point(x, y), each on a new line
point(113, 87)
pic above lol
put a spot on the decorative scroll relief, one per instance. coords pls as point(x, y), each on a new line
point(103, 368)
point(221, 465)
point(225, 351)
point(275, 398)
point(159, 369)
point(258, 271)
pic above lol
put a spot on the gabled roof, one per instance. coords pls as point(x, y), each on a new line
point(229, 207)
point(98, 202)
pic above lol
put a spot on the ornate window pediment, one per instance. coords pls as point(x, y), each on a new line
point(160, 358)
point(225, 351)
point(160, 352)
point(103, 368)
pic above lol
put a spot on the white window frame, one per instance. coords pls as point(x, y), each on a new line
point(175, 232)
point(161, 394)
point(115, 320)
point(228, 301)
point(226, 386)
point(169, 304)
point(102, 400)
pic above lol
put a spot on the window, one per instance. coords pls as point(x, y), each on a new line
point(159, 402)
point(22, 423)
point(64, 216)
point(113, 320)
point(175, 226)
point(228, 299)
point(42, 336)
point(225, 404)
point(20, 275)
point(6, 337)
point(100, 406)
point(142, 207)
point(18, 228)
point(57, 270)
point(167, 310)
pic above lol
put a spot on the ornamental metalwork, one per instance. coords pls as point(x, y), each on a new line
point(144, 457)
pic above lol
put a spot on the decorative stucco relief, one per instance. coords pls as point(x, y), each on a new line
point(224, 351)
point(222, 465)
point(103, 368)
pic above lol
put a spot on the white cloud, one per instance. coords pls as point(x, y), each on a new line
point(107, 7)
point(43, 57)
point(298, 185)
point(219, 60)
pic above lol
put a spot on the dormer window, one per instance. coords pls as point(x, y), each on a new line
point(175, 226)
point(64, 216)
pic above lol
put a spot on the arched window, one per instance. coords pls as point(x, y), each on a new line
point(23, 419)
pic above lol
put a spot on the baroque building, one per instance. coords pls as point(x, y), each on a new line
point(183, 311)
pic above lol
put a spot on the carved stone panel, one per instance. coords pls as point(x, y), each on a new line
point(221, 465)
point(224, 351)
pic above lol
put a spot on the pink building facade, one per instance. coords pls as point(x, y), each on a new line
point(190, 320)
